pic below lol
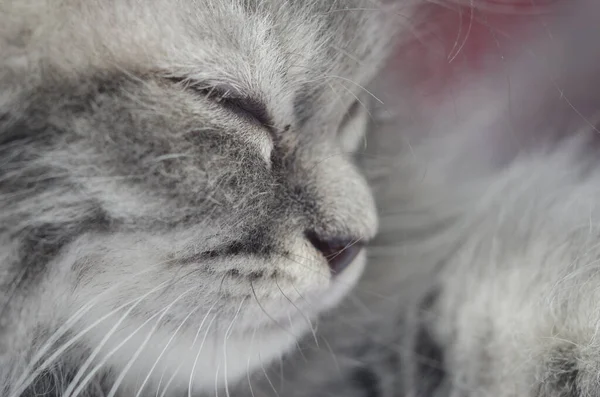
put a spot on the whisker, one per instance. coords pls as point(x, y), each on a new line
point(459, 11)
point(227, 334)
point(347, 54)
point(161, 379)
point(305, 300)
point(352, 9)
point(266, 313)
point(345, 248)
point(335, 361)
point(200, 348)
point(96, 351)
point(137, 353)
point(248, 363)
point(171, 379)
point(163, 352)
point(262, 366)
point(94, 370)
point(281, 377)
point(217, 380)
point(467, 34)
point(357, 85)
point(58, 334)
point(359, 101)
point(299, 311)
point(72, 341)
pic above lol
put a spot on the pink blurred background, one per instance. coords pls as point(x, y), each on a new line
point(459, 39)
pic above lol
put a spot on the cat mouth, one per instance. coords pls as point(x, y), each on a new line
point(338, 253)
point(302, 311)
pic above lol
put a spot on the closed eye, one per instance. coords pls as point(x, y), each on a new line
point(243, 106)
point(247, 107)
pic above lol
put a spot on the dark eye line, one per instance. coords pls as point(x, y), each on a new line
point(242, 106)
point(247, 106)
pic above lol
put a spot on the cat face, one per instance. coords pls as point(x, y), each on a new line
point(178, 192)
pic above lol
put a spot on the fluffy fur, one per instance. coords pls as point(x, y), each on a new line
point(156, 239)
point(164, 167)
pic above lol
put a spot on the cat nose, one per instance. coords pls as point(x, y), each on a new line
point(339, 252)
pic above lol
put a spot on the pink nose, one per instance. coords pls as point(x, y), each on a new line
point(339, 253)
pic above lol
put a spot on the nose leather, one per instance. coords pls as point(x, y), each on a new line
point(339, 252)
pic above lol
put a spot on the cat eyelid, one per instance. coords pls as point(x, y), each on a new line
point(243, 106)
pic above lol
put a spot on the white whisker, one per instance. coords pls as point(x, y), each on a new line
point(58, 352)
point(227, 334)
point(171, 379)
point(335, 361)
point(68, 324)
point(262, 366)
point(94, 370)
point(248, 363)
point(137, 353)
point(200, 348)
point(163, 352)
point(467, 34)
point(358, 85)
point(96, 351)
point(217, 381)
point(312, 329)
point(162, 376)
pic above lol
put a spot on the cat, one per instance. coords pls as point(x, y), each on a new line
point(484, 278)
point(185, 202)
point(179, 198)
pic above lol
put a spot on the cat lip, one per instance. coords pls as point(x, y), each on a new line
point(235, 248)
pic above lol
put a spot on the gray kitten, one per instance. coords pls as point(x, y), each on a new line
point(180, 204)
point(178, 194)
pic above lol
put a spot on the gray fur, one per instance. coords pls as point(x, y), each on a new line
point(119, 176)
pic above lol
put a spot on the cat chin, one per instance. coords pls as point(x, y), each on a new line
point(343, 283)
point(214, 361)
point(209, 361)
point(211, 352)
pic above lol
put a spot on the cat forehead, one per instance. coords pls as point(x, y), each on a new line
point(297, 57)
point(251, 40)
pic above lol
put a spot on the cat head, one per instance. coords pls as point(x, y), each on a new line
point(178, 193)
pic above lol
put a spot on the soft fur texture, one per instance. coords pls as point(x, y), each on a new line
point(156, 240)
point(164, 167)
